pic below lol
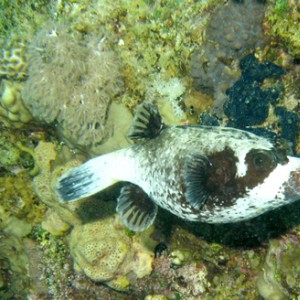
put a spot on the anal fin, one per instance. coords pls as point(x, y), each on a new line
point(136, 209)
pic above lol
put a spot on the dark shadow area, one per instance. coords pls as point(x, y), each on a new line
point(100, 205)
point(246, 234)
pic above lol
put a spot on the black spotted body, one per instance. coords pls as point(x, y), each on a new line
point(199, 173)
point(160, 171)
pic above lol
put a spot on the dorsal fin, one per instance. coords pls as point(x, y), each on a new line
point(195, 175)
point(147, 122)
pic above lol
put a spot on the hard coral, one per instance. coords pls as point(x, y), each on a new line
point(72, 80)
point(13, 64)
point(104, 253)
point(12, 110)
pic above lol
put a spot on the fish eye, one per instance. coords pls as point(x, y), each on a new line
point(263, 160)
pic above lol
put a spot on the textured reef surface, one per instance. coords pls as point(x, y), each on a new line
point(71, 76)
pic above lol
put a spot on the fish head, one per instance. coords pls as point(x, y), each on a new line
point(248, 177)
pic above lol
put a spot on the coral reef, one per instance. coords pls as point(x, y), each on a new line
point(248, 103)
point(100, 248)
point(104, 253)
point(77, 65)
point(12, 110)
point(13, 64)
point(234, 30)
point(72, 80)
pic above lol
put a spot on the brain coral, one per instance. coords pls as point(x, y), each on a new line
point(72, 79)
point(13, 64)
point(13, 113)
point(234, 30)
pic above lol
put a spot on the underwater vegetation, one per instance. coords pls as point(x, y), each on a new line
point(72, 74)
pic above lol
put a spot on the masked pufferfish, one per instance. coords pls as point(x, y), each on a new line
point(199, 173)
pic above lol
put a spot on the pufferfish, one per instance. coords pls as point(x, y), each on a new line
point(199, 173)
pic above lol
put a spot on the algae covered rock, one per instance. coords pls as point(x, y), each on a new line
point(104, 252)
point(280, 274)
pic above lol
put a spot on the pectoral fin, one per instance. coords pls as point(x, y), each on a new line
point(195, 175)
point(136, 209)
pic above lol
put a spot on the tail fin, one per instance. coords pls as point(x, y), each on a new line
point(84, 181)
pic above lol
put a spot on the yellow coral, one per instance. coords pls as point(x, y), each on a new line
point(104, 253)
point(13, 62)
point(12, 109)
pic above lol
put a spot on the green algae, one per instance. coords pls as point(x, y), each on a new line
point(282, 24)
